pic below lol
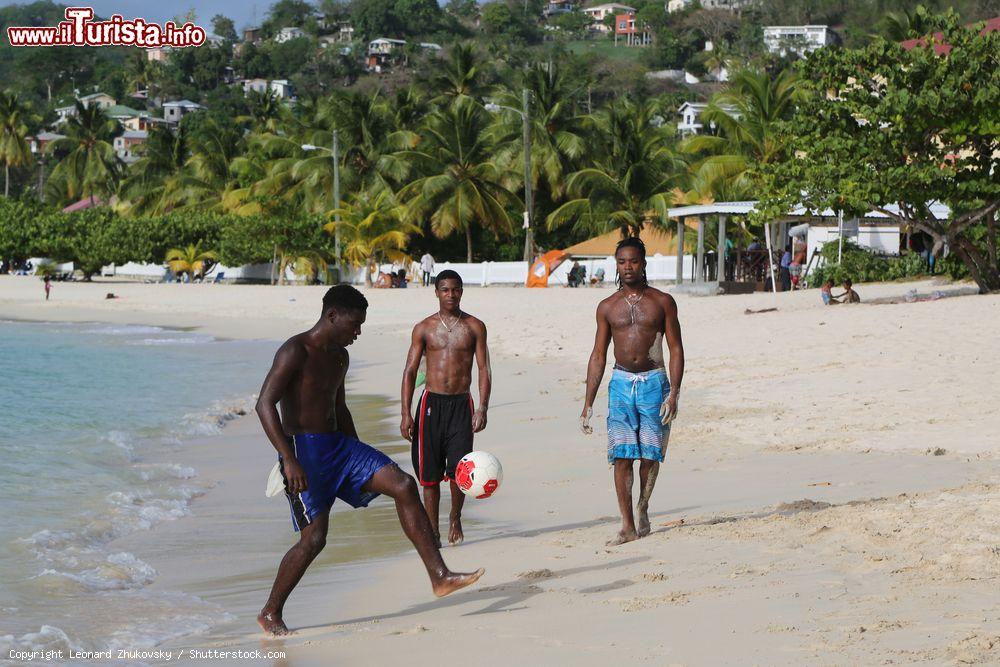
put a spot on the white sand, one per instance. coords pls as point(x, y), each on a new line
point(842, 405)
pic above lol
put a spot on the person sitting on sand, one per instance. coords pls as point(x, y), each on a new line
point(442, 429)
point(827, 293)
point(321, 457)
point(849, 295)
point(641, 400)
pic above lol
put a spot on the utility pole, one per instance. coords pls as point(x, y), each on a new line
point(528, 203)
point(336, 201)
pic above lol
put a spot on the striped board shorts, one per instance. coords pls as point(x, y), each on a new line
point(635, 430)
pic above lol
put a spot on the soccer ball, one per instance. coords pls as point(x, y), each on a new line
point(478, 474)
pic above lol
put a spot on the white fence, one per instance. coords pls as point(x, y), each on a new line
point(658, 267)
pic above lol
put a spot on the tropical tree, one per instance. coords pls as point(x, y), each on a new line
point(90, 166)
point(629, 185)
point(902, 130)
point(265, 111)
point(14, 150)
point(745, 118)
point(455, 182)
point(372, 229)
point(191, 260)
point(306, 264)
point(162, 159)
point(558, 142)
point(462, 73)
point(208, 179)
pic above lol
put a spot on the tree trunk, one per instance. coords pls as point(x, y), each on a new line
point(368, 274)
point(468, 243)
point(985, 273)
point(6, 182)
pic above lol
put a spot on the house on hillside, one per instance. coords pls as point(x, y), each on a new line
point(800, 39)
point(288, 34)
point(158, 54)
point(628, 33)
point(556, 7)
point(174, 111)
point(343, 33)
point(382, 52)
point(690, 113)
point(143, 122)
point(731, 5)
point(281, 88)
point(126, 144)
point(253, 35)
point(64, 113)
point(38, 142)
point(120, 112)
point(598, 12)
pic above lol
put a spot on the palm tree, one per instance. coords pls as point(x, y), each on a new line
point(162, 160)
point(372, 229)
point(457, 184)
point(90, 166)
point(462, 74)
point(898, 26)
point(190, 260)
point(14, 150)
point(629, 184)
point(265, 111)
point(745, 117)
point(208, 178)
point(306, 264)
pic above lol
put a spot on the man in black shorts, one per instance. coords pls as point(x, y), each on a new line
point(442, 428)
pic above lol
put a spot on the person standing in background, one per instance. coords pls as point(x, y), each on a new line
point(48, 287)
point(427, 268)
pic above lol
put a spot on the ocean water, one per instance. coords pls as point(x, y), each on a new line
point(84, 407)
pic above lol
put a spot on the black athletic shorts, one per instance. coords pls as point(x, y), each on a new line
point(442, 435)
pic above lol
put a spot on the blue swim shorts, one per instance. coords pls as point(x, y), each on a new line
point(336, 466)
point(635, 430)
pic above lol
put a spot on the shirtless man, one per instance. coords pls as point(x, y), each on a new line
point(320, 454)
point(442, 429)
point(641, 403)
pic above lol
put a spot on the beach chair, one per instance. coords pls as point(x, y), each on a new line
point(218, 277)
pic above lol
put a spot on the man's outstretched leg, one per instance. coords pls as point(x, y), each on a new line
point(623, 487)
point(432, 505)
point(455, 534)
point(402, 488)
point(312, 539)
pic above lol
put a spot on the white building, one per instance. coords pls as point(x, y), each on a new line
point(256, 85)
point(126, 143)
point(731, 5)
point(288, 34)
point(282, 88)
point(598, 12)
point(691, 117)
point(174, 111)
point(800, 39)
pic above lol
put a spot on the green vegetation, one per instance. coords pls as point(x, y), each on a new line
point(431, 153)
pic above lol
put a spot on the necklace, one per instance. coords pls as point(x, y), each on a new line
point(445, 324)
point(632, 301)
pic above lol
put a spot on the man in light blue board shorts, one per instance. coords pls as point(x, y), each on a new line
point(642, 399)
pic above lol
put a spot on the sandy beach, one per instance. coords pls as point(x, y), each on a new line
point(837, 471)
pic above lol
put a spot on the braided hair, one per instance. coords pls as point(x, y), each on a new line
point(632, 242)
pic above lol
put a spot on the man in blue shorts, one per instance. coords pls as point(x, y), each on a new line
point(321, 456)
point(641, 400)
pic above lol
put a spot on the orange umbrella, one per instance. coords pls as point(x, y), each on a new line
point(542, 268)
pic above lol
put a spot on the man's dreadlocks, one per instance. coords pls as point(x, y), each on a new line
point(632, 242)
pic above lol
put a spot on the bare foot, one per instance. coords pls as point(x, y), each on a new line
point(455, 534)
point(456, 580)
point(272, 624)
point(622, 537)
point(642, 523)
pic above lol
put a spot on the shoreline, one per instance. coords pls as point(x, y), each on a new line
point(812, 508)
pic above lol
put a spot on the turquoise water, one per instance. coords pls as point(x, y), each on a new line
point(84, 409)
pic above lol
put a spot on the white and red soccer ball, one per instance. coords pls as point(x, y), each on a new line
point(479, 474)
